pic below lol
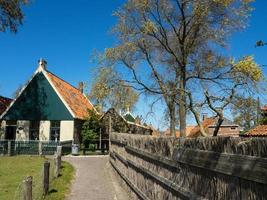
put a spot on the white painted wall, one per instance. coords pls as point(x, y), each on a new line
point(66, 130)
point(22, 132)
point(23, 126)
point(2, 129)
point(44, 130)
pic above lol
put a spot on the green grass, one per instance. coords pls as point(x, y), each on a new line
point(60, 186)
point(14, 169)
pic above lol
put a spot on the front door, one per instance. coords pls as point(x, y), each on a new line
point(10, 132)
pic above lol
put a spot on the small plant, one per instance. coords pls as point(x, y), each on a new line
point(263, 121)
point(92, 147)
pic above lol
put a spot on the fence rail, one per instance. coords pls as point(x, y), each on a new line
point(33, 147)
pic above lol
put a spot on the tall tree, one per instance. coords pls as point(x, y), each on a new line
point(245, 112)
point(166, 38)
point(11, 15)
point(109, 91)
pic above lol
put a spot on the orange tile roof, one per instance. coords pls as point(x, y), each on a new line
point(260, 130)
point(264, 108)
point(177, 133)
point(206, 123)
point(76, 101)
point(4, 103)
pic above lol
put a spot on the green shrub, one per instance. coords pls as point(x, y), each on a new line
point(90, 129)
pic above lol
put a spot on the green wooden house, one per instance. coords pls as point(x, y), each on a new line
point(46, 108)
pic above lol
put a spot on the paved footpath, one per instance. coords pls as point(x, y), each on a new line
point(94, 179)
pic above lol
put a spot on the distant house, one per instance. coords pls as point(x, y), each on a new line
point(258, 131)
point(4, 103)
point(47, 108)
point(121, 125)
point(129, 117)
point(177, 132)
point(228, 128)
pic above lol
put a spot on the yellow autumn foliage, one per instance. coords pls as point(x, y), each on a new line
point(140, 4)
point(116, 52)
point(149, 27)
point(223, 2)
point(248, 67)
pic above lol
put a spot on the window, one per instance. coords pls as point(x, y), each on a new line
point(55, 130)
point(232, 128)
point(34, 130)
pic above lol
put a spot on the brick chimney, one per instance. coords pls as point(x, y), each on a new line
point(204, 116)
point(42, 64)
point(80, 86)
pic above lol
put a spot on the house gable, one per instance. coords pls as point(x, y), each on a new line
point(38, 101)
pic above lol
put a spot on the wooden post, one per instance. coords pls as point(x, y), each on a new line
point(100, 140)
point(40, 148)
point(109, 125)
point(59, 150)
point(46, 178)
point(27, 188)
point(9, 148)
point(57, 160)
point(109, 132)
point(59, 153)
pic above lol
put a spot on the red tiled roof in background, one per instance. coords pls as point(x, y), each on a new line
point(206, 123)
point(264, 108)
point(177, 133)
point(260, 130)
point(4, 103)
point(77, 102)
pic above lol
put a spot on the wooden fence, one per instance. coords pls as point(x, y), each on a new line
point(33, 147)
point(206, 168)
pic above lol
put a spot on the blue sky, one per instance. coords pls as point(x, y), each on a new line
point(66, 33)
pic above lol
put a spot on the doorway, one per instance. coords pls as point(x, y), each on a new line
point(10, 132)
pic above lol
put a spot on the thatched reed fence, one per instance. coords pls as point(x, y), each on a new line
point(203, 168)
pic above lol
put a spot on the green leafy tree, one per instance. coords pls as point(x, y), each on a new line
point(178, 43)
point(90, 129)
point(11, 15)
point(109, 91)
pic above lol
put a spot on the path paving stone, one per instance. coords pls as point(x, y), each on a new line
point(94, 179)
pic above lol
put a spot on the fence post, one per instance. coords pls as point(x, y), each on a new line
point(40, 148)
point(9, 148)
point(59, 150)
point(27, 192)
point(100, 139)
point(59, 153)
point(109, 125)
point(46, 178)
point(109, 132)
point(57, 160)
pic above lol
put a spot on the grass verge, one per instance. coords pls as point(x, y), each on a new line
point(60, 186)
point(14, 169)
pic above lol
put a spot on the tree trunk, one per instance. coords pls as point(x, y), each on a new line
point(172, 112)
point(201, 128)
point(218, 125)
point(182, 104)
point(196, 115)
